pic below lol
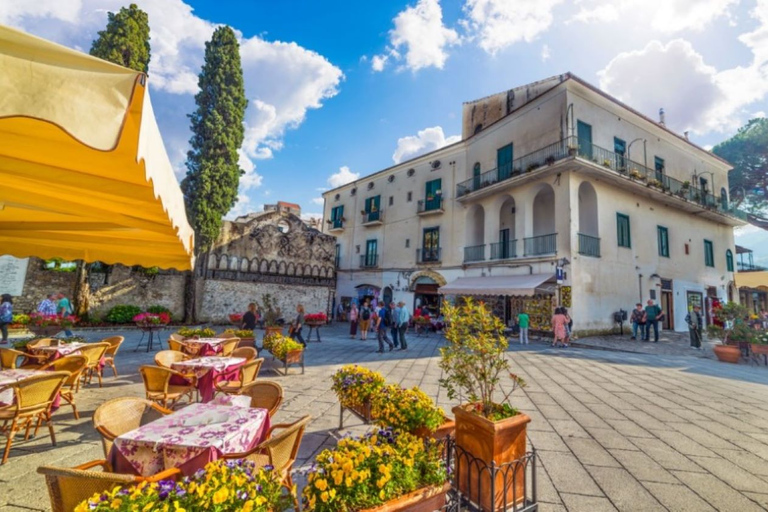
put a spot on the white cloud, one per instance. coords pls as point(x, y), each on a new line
point(546, 53)
point(426, 140)
point(501, 23)
point(344, 176)
point(669, 16)
point(420, 33)
point(251, 179)
point(318, 201)
point(298, 79)
point(242, 207)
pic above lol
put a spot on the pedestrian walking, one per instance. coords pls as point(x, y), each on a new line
point(384, 322)
point(652, 317)
point(559, 323)
point(340, 312)
point(568, 326)
point(298, 325)
point(48, 305)
point(522, 321)
point(6, 316)
point(64, 308)
point(395, 329)
point(365, 320)
point(695, 324)
point(404, 316)
point(250, 318)
point(638, 321)
point(353, 320)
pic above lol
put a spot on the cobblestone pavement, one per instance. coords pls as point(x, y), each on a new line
point(613, 430)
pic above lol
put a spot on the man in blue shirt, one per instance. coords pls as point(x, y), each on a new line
point(48, 305)
point(404, 316)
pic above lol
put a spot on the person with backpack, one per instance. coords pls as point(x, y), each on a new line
point(695, 324)
point(637, 318)
point(6, 316)
point(404, 317)
point(384, 322)
point(365, 320)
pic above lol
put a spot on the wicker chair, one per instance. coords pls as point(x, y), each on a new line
point(75, 365)
point(68, 487)
point(166, 358)
point(94, 352)
point(247, 353)
point(120, 415)
point(111, 352)
point(279, 451)
point(229, 346)
point(33, 398)
point(9, 359)
point(157, 384)
point(265, 394)
point(247, 374)
point(42, 342)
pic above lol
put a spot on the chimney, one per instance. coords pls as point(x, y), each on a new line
point(661, 117)
point(686, 135)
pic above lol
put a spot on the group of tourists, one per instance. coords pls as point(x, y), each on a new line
point(54, 304)
point(645, 319)
point(383, 319)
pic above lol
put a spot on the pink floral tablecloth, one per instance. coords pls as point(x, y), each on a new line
point(210, 370)
point(189, 438)
point(53, 353)
point(11, 376)
point(204, 346)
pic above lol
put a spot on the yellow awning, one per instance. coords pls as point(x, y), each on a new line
point(83, 170)
point(755, 280)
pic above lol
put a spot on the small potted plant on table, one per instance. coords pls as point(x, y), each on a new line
point(473, 362)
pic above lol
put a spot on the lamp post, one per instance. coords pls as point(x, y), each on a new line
point(645, 154)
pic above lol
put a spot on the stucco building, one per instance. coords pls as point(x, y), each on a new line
point(553, 174)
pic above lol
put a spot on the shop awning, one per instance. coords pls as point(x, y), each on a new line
point(754, 280)
point(530, 284)
point(83, 170)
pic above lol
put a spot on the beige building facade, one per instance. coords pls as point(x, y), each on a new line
point(551, 175)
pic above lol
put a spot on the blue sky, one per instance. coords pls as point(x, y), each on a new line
point(338, 89)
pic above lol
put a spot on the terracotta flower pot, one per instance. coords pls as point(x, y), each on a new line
point(426, 499)
point(273, 329)
point(247, 342)
point(759, 349)
point(294, 357)
point(47, 331)
point(499, 442)
point(727, 353)
point(442, 431)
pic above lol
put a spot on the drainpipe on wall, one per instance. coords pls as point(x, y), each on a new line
point(640, 285)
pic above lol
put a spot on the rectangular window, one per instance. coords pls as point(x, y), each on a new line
point(391, 200)
point(407, 243)
point(433, 195)
point(622, 230)
point(410, 197)
point(658, 164)
point(663, 236)
point(431, 244)
point(338, 255)
point(373, 209)
point(584, 134)
point(620, 148)
point(337, 216)
point(709, 254)
point(504, 159)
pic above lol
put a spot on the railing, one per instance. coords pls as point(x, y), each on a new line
point(430, 205)
point(589, 245)
point(504, 250)
point(538, 245)
point(376, 216)
point(619, 163)
point(428, 255)
point(336, 224)
point(474, 253)
point(748, 267)
point(369, 260)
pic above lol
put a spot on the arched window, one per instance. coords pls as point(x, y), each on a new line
point(729, 260)
point(478, 128)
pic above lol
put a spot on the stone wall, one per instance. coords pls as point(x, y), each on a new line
point(219, 298)
point(41, 283)
point(127, 286)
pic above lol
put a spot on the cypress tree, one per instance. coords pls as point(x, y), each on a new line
point(125, 41)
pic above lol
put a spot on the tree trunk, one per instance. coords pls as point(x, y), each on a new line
point(190, 288)
point(82, 292)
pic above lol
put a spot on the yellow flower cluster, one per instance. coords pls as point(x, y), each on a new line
point(406, 409)
point(224, 486)
point(355, 385)
point(280, 345)
point(367, 471)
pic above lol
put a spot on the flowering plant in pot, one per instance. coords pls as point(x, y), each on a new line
point(47, 325)
point(474, 363)
point(152, 319)
point(223, 486)
point(189, 332)
point(316, 318)
point(355, 386)
point(760, 343)
point(380, 471)
point(735, 329)
point(407, 410)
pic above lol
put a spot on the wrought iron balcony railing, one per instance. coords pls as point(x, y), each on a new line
point(430, 205)
point(369, 260)
point(474, 253)
point(428, 255)
point(540, 245)
point(589, 245)
point(504, 250)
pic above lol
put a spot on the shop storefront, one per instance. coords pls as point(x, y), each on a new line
point(425, 293)
point(368, 292)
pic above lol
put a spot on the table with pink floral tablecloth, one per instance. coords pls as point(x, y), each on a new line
point(210, 370)
point(203, 346)
point(15, 375)
point(189, 438)
point(58, 351)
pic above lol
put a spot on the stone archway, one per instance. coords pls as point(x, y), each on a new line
point(431, 274)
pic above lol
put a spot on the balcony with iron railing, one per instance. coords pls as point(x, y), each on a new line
point(589, 245)
point(369, 260)
point(474, 253)
point(429, 206)
point(540, 245)
point(615, 163)
point(744, 266)
point(336, 224)
point(504, 250)
point(428, 255)
point(372, 218)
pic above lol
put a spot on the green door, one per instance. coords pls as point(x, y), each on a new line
point(476, 176)
point(584, 133)
point(434, 191)
point(504, 162)
point(373, 208)
point(620, 149)
point(371, 248)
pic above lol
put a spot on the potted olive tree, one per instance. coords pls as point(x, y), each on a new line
point(473, 363)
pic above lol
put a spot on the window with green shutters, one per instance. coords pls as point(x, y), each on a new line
point(663, 236)
point(729, 260)
point(433, 195)
point(622, 230)
point(372, 208)
point(337, 216)
point(709, 254)
point(504, 159)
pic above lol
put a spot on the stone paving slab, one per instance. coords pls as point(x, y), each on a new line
point(614, 430)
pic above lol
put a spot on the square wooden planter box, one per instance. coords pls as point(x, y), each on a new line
point(292, 358)
point(426, 499)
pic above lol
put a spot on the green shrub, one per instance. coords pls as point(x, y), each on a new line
point(122, 314)
point(157, 309)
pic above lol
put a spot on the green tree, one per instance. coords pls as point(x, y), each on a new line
point(748, 152)
point(213, 171)
point(125, 41)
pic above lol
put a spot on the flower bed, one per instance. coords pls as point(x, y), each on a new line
point(285, 349)
point(149, 320)
point(188, 332)
point(316, 318)
point(355, 385)
point(47, 325)
point(223, 486)
point(236, 318)
point(366, 472)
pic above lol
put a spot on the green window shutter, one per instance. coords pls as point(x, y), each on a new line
point(433, 187)
point(504, 159)
point(663, 236)
point(658, 164)
point(709, 254)
point(729, 260)
point(623, 233)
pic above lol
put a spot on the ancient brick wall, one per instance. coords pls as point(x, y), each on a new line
point(41, 283)
point(127, 286)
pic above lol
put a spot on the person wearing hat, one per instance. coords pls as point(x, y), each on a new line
point(6, 316)
point(404, 317)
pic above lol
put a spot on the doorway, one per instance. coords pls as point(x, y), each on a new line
point(668, 309)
